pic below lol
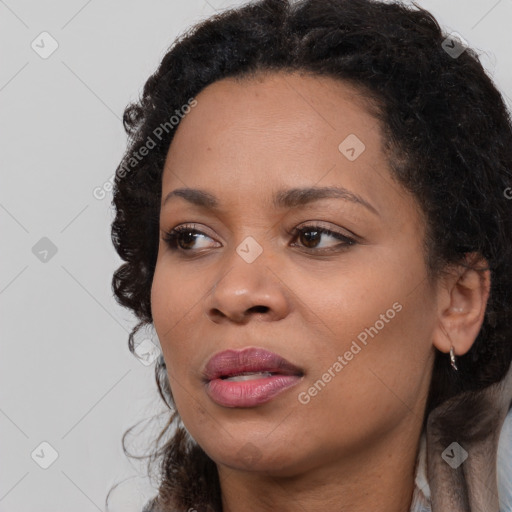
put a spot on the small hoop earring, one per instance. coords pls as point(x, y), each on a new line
point(452, 358)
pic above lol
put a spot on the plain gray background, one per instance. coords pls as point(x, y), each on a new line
point(67, 376)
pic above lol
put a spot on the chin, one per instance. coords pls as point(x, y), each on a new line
point(251, 456)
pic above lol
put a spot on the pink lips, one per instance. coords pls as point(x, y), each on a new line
point(248, 393)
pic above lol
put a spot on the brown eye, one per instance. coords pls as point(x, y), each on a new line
point(183, 238)
point(311, 236)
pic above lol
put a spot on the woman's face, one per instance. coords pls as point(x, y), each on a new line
point(355, 319)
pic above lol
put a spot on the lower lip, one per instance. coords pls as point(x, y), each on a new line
point(249, 393)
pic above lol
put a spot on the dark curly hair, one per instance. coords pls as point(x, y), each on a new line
point(448, 140)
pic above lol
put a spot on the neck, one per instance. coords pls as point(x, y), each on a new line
point(380, 478)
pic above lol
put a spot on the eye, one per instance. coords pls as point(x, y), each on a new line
point(180, 237)
point(311, 234)
point(183, 238)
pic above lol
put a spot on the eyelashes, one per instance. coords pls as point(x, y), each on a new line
point(319, 231)
point(176, 235)
point(188, 234)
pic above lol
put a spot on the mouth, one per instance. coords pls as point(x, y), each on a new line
point(249, 377)
point(248, 364)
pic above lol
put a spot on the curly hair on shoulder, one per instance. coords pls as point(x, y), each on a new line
point(448, 140)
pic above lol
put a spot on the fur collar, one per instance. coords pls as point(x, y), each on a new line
point(469, 470)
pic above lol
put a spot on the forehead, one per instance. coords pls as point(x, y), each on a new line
point(275, 130)
point(291, 104)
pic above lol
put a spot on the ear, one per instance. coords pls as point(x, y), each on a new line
point(461, 303)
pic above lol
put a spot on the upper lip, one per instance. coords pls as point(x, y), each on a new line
point(235, 362)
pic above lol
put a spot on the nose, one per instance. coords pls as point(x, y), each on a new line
point(246, 291)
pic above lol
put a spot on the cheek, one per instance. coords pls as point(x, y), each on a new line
point(161, 299)
point(169, 307)
point(377, 385)
point(174, 296)
point(377, 344)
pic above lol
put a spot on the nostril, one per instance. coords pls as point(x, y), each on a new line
point(259, 309)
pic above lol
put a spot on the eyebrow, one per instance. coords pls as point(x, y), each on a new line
point(290, 198)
